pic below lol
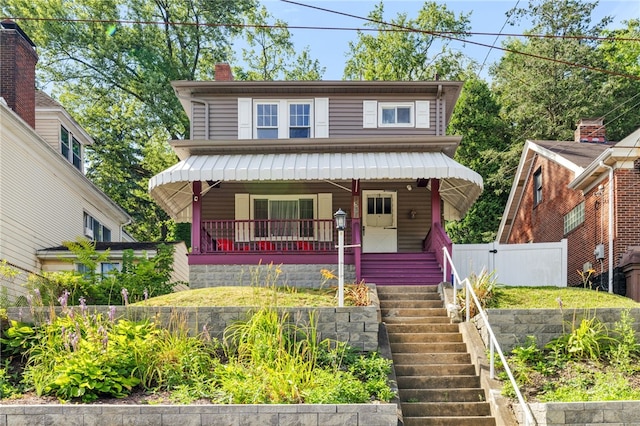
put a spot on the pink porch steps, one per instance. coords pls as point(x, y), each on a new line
point(400, 268)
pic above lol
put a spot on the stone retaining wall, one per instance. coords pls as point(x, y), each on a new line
point(200, 415)
point(512, 326)
point(201, 276)
point(616, 413)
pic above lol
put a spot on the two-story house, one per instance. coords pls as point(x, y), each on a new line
point(45, 198)
point(269, 162)
point(586, 191)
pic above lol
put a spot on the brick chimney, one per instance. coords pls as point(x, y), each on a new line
point(223, 72)
point(591, 130)
point(18, 60)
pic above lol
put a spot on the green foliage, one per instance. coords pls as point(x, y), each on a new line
point(8, 387)
point(19, 338)
point(483, 286)
point(408, 55)
point(590, 340)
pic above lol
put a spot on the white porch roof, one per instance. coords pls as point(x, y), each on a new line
point(459, 187)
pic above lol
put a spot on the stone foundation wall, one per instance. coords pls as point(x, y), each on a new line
point(200, 415)
point(201, 276)
point(615, 413)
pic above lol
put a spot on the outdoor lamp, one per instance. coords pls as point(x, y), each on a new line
point(341, 219)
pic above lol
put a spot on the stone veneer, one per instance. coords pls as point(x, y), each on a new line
point(512, 326)
point(615, 413)
point(306, 275)
point(200, 415)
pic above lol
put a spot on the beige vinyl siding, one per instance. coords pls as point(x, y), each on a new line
point(219, 203)
point(49, 130)
point(180, 265)
point(42, 197)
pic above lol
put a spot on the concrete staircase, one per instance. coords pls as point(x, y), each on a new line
point(437, 383)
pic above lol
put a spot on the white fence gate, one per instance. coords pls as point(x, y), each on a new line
point(537, 264)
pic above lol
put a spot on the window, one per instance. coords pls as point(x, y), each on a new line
point(107, 268)
point(83, 269)
point(70, 148)
point(94, 230)
point(400, 115)
point(283, 217)
point(537, 187)
point(380, 210)
point(574, 218)
point(283, 119)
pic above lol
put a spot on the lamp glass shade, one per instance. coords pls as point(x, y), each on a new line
point(341, 219)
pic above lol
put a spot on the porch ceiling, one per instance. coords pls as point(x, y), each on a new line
point(460, 186)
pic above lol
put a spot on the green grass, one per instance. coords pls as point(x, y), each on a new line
point(246, 296)
point(547, 297)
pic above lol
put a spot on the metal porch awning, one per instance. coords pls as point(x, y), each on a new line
point(459, 187)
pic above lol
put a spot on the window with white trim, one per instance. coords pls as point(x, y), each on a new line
point(395, 115)
point(537, 187)
point(283, 118)
point(574, 218)
point(284, 216)
point(70, 148)
point(107, 268)
point(94, 230)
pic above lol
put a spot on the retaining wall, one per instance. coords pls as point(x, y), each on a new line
point(616, 413)
point(199, 415)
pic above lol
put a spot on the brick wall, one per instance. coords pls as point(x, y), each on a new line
point(18, 71)
point(627, 202)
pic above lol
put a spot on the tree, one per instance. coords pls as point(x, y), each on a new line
point(271, 55)
point(420, 53)
point(486, 139)
point(545, 83)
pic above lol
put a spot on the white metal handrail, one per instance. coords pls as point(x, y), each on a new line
point(494, 346)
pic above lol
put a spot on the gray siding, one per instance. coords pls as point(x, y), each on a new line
point(198, 120)
point(218, 203)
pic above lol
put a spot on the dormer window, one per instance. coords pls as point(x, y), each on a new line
point(70, 148)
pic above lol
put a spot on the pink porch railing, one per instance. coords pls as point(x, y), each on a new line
point(224, 236)
point(437, 238)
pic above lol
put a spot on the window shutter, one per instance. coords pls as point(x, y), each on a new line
point(283, 119)
point(422, 114)
point(244, 118)
point(369, 114)
point(243, 230)
point(325, 211)
point(321, 109)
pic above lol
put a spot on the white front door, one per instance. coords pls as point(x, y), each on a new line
point(379, 222)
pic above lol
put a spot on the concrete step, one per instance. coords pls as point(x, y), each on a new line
point(404, 289)
point(435, 382)
point(440, 319)
point(450, 421)
point(421, 304)
point(400, 358)
point(434, 370)
point(422, 328)
point(445, 409)
point(408, 296)
point(428, 347)
point(442, 395)
point(425, 338)
point(412, 312)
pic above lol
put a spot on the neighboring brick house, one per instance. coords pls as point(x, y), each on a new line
point(562, 190)
point(270, 162)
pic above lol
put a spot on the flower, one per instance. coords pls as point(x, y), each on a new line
point(125, 296)
point(112, 313)
point(64, 298)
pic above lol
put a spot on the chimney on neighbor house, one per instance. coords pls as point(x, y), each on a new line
point(591, 130)
point(223, 72)
point(18, 60)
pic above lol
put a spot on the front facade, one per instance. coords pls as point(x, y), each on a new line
point(586, 191)
point(268, 164)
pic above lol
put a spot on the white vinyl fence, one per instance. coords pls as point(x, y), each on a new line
point(536, 264)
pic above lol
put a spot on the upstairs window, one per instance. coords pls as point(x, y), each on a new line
point(537, 187)
point(283, 118)
point(70, 148)
point(94, 230)
point(267, 121)
point(299, 120)
point(400, 115)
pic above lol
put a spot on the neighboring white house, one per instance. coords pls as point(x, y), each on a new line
point(45, 198)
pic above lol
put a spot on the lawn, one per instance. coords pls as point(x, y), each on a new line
point(550, 297)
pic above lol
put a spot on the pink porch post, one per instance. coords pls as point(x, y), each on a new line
point(196, 216)
point(355, 225)
point(437, 237)
point(435, 203)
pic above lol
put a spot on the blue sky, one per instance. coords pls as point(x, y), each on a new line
point(330, 46)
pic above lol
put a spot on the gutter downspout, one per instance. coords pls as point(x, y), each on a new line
point(122, 225)
point(610, 283)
